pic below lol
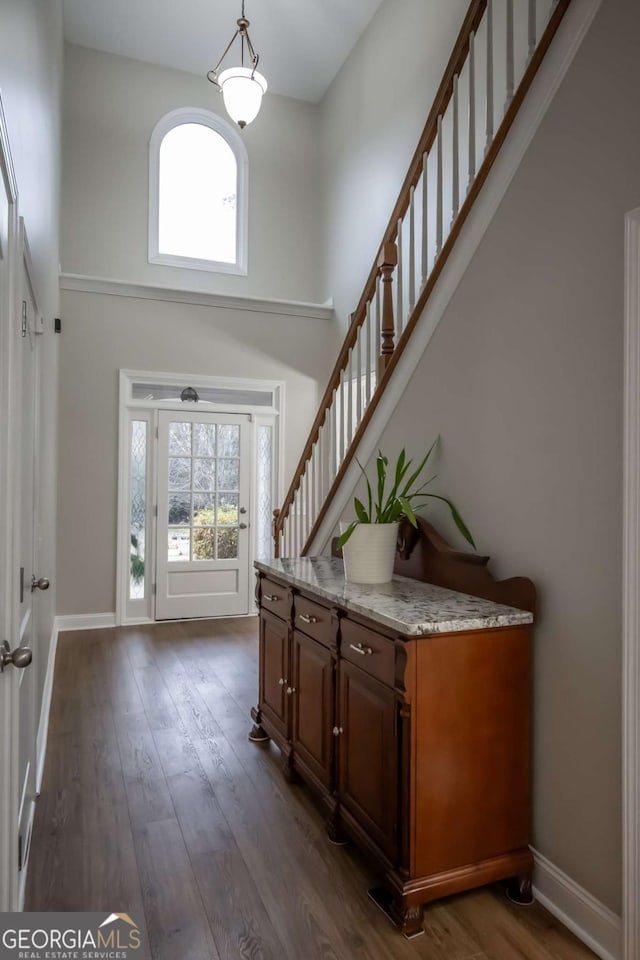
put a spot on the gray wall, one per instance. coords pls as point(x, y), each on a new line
point(111, 105)
point(523, 380)
point(30, 84)
point(102, 334)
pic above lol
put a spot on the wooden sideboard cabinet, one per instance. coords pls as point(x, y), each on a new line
point(412, 727)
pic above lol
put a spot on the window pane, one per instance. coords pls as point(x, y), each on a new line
point(180, 439)
point(197, 198)
point(179, 473)
point(203, 509)
point(138, 508)
point(265, 515)
point(204, 474)
point(228, 474)
point(227, 508)
point(178, 545)
point(228, 441)
point(204, 440)
point(228, 544)
point(179, 508)
point(204, 543)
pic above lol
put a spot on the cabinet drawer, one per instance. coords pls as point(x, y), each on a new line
point(313, 619)
point(274, 597)
point(370, 651)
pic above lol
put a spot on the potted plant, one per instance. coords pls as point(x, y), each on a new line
point(369, 541)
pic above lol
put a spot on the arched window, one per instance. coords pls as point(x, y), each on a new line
point(198, 193)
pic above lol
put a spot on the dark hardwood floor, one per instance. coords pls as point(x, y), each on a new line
point(154, 802)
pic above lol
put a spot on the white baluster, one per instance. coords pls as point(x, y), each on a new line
point(298, 543)
point(425, 219)
point(439, 198)
point(343, 411)
point(412, 252)
point(510, 55)
point(359, 376)
point(333, 441)
point(368, 356)
point(313, 465)
point(472, 109)
point(399, 284)
point(533, 38)
point(489, 75)
point(305, 502)
point(378, 322)
point(455, 178)
point(350, 401)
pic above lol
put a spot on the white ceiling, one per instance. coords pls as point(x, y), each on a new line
point(302, 43)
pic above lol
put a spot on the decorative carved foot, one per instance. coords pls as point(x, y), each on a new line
point(408, 918)
point(519, 890)
point(257, 734)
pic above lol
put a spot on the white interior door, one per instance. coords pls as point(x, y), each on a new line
point(204, 488)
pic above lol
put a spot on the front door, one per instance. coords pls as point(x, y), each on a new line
point(204, 486)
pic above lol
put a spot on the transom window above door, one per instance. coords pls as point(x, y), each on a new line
point(198, 193)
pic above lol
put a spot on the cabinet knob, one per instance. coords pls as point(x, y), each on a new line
point(290, 690)
point(337, 731)
point(282, 681)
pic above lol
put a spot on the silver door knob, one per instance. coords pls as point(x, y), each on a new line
point(21, 657)
point(41, 584)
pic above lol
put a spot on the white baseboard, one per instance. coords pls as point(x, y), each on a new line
point(85, 621)
point(593, 923)
point(45, 708)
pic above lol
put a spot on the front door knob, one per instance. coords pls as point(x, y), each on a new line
point(21, 657)
point(41, 584)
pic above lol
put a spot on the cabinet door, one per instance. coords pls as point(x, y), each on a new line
point(274, 669)
point(367, 754)
point(312, 706)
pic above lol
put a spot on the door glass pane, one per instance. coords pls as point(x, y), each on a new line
point(265, 514)
point(180, 439)
point(228, 441)
point(179, 544)
point(204, 474)
point(227, 509)
point(138, 515)
point(228, 474)
point(228, 544)
point(203, 509)
point(204, 440)
point(179, 508)
point(179, 473)
point(204, 543)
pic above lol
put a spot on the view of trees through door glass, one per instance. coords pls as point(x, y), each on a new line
point(204, 483)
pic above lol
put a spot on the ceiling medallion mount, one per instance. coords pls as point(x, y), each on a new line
point(242, 87)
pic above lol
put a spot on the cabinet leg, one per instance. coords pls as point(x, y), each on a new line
point(407, 917)
point(335, 832)
point(519, 889)
point(257, 733)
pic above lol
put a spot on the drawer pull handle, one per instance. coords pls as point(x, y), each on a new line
point(337, 731)
point(307, 618)
point(365, 651)
point(290, 690)
point(271, 597)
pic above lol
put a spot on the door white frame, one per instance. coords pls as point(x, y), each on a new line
point(130, 408)
point(9, 446)
point(631, 597)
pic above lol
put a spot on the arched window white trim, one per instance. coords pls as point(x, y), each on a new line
point(169, 122)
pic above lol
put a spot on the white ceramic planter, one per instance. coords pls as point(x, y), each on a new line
point(369, 553)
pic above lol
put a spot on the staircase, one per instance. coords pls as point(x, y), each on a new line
point(495, 58)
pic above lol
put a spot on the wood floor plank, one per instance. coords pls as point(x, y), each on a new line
point(155, 802)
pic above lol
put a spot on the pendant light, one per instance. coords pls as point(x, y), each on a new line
point(242, 87)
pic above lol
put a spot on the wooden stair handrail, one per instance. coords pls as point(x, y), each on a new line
point(443, 96)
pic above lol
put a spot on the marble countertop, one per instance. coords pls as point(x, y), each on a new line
point(410, 607)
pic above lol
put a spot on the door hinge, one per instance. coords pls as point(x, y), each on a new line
point(24, 318)
point(20, 851)
point(21, 584)
point(155, 510)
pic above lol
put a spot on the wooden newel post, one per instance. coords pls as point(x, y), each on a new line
point(276, 535)
point(387, 262)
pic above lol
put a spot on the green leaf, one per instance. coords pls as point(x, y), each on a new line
point(407, 509)
point(342, 539)
point(414, 476)
point(361, 513)
point(369, 493)
point(380, 467)
point(457, 519)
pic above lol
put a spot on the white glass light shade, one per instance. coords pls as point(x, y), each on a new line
point(242, 90)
